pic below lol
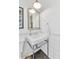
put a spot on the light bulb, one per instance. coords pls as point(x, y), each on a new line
point(37, 5)
point(32, 11)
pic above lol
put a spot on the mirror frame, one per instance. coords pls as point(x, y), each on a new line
point(34, 28)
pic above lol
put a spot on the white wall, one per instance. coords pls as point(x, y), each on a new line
point(50, 12)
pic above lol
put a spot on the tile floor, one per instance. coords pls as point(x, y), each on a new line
point(39, 55)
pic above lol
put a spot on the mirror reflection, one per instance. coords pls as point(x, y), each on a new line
point(33, 19)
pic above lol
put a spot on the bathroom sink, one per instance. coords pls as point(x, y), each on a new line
point(35, 38)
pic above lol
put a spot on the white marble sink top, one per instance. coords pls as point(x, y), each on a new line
point(37, 37)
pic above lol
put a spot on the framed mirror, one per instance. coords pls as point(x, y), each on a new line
point(33, 19)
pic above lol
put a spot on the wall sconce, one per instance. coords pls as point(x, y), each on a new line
point(37, 5)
